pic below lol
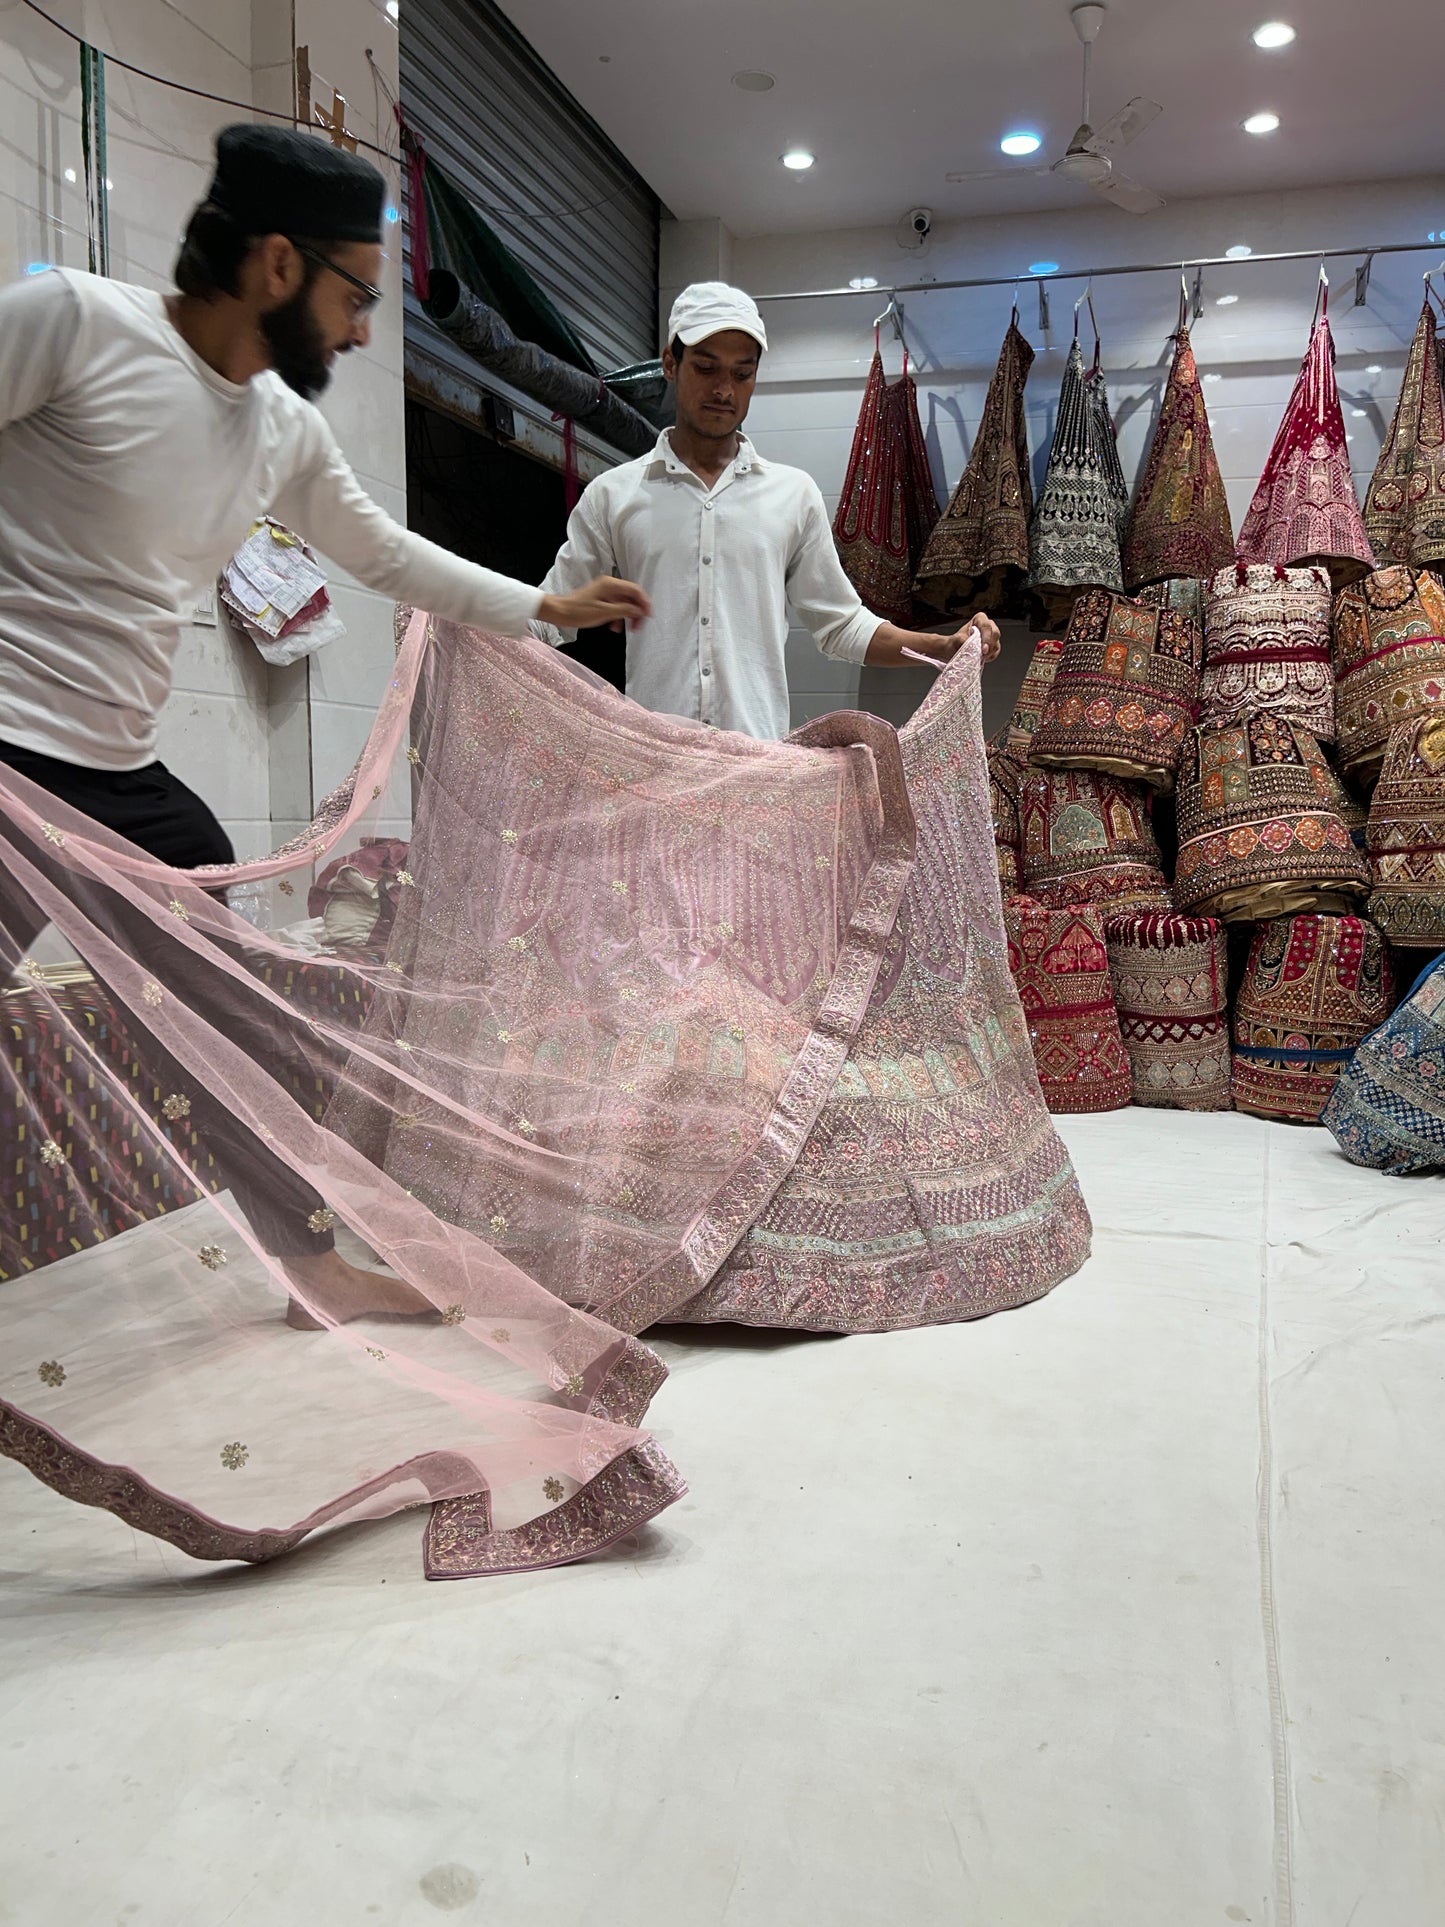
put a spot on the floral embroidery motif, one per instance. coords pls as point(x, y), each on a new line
point(152, 993)
point(213, 1256)
point(526, 1127)
point(454, 1315)
point(554, 1489)
point(52, 835)
point(234, 1455)
point(509, 836)
point(574, 1386)
point(286, 889)
point(501, 1336)
point(499, 1224)
point(178, 909)
point(375, 1351)
point(176, 1107)
point(51, 1153)
point(504, 1037)
point(34, 970)
point(51, 1372)
point(376, 791)
point(403, 1045)
point(395, 969)
point(413, 755)
point(516, 943)
point(405, 878)
point(619, 887)
point(321, 1220)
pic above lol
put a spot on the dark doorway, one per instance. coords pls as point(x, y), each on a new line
point(494, 505)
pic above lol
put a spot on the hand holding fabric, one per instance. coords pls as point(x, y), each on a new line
point(603, 600)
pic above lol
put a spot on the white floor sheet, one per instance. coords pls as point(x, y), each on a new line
point(1123, 1610)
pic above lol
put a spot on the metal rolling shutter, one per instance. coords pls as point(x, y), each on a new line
point(518, 144)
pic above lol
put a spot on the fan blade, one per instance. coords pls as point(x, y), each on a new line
point(997, 174)
point(1128, 195)
point(1127, 125)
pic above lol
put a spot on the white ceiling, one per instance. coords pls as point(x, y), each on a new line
point(891, 98)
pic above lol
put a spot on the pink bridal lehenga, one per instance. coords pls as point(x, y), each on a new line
point(651, 1022)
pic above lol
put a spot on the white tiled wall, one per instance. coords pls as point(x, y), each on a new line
point(261, 745)
point(812, 382)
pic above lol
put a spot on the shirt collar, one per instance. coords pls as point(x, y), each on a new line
point(747, 456)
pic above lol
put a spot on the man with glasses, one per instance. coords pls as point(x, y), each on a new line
point(141, 435)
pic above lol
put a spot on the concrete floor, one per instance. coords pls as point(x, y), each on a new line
point(1122, 1610)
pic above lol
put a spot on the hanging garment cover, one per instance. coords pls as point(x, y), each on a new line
point(1086, 838)
point(978, 554)
point(660, 1077)
point(1389, 660)
point(1061, 966)
point(1407, 836)
point(1180, 521)
point(932, 1186)
point(1313, 987)
point(1388, 1106)
point(1305, 508)
point(1405, 502)
point(1074, 537)
point(888, 508)
point(1267, 647)
point(1032, 698)
point(1125, 692)
point(155, 1372)
point(1259, 833)
point(1170, 978)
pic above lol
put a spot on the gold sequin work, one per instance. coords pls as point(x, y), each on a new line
point(322, 1220)
point(501, 1336)
point(51, 1153)
point(176, 1107)
point(413, 755)
point(234, 1455)
point(52, 835)
point(152, 993)
point(499, 1224)
point(509, 836)
point(574, 1386)
point(51, 1372)
point(212, 1256)
point(454, 1315)
point(286, 889)
point(554, 1489)
point(405, 877)
point(178, 909)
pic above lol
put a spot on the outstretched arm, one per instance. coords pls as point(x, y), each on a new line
point(891, 647)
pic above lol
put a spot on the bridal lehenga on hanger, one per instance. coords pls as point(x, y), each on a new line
point(659, 1023)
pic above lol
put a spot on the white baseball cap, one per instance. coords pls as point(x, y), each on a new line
point(710, 308)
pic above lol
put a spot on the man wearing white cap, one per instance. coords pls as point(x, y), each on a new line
point(724, 541)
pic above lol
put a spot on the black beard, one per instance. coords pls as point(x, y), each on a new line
point(297, 345)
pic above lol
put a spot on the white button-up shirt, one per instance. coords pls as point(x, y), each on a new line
point(722, 565)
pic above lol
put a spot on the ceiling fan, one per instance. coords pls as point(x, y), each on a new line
point(1089, 159)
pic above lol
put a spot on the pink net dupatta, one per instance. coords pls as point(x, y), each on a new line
point(151, 1370)
point(1305, 508)
point(638, 953)
point(933, 1186)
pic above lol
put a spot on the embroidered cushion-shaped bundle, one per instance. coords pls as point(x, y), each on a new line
point(1267, 647)
point(1005, 778)
point(1259, 832)
point(1305, 508)
point(1074, 540)
point(1389, 660)
point(1180, 524)
point(1407, 836)
point(978, 554)
point(1388, 1107)
point(1086, 838)
point(1170, 977)
point(1032, 697)
point(1405, 504)
point(887, 510)
point(1125, 692)
point(1060, 965)
point(1313, 988)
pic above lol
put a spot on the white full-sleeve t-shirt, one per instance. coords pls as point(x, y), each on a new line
point(130, 472)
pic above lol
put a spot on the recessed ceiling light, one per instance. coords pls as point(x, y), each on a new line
point(1239, 252)
point(864, 281)
point(1358, 413)
point(1225, 300)
point(70, 175)
point(798, 159)
point(1274, 33)
point(1211, 377)
point(751, 81)
point(1374, 369)
point(1043, 267)
point(1262, 124)
point(1021, 143)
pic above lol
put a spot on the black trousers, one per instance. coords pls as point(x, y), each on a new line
point(154, 810)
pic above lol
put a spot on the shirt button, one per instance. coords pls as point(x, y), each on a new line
point(707, 559)
point(707, 672)
point(708, 507)
point(706, 620)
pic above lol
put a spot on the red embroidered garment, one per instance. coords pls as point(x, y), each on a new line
point(1086, 838)
point(1405, 502)
point(1314, 988)
point(1061, 966)
point(1170, 978)
point(1305, 508)
point(1180, 521)
point(978, 554)
point(888, 509)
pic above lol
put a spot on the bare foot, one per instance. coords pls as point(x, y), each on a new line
point(344, 1291)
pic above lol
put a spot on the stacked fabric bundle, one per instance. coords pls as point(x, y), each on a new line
point(1259, 835)
point(1388, 1106)
point(1170, 977)
point(1389, 660)
point(1060, 965)
point(1313, 988)
point(1267, 648)
point(1407, 836)
point(1125, 693)
point(1086, 838)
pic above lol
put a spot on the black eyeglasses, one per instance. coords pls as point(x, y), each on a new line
point(373, 295)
